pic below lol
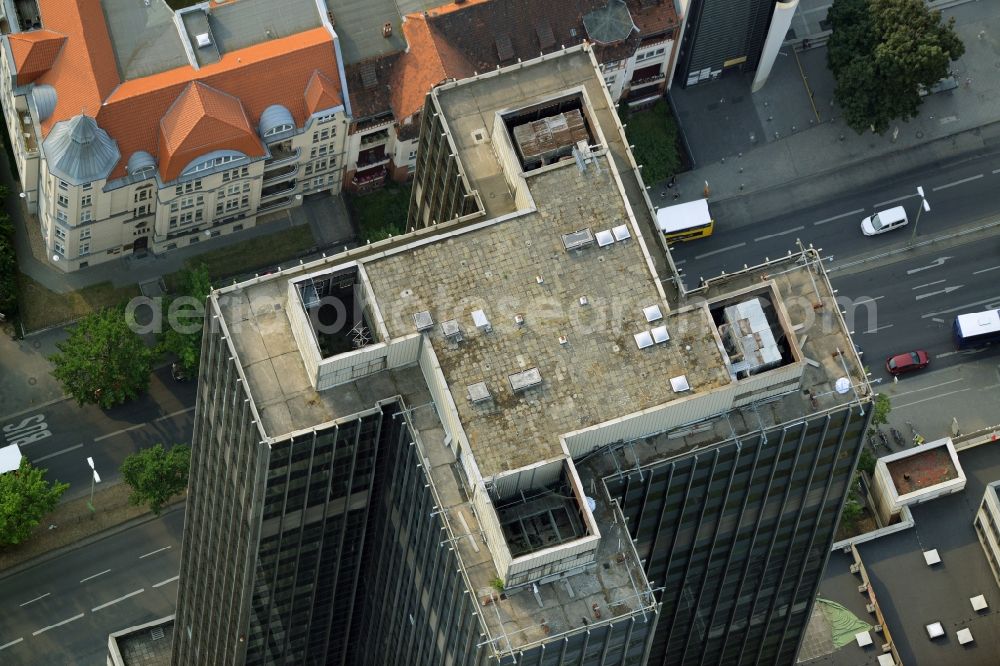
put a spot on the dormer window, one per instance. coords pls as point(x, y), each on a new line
point(278, 130)
point(213, 162)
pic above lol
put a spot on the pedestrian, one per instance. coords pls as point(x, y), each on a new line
point(672, 181)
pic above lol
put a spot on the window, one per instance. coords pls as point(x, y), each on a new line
point(217, 161)
point(324, 134)
point(279, 129)
point(60, 249)
point(173, 222)
point(187, 188)
point(325, 119)
point(86, 216)
point(87, 186)
point(86, 200)
point(309, 169)
point(60, 233)
point(61, 216)
point(233, 189)
point(141, 210)
point(85, 234)
point(142, 195)
point(318, 182)
point(199, 215)
point(413, 155)
point(63, 185)
point(84, 248)
point(62, 200)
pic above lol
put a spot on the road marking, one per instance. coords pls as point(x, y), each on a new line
point(7, 645)
point(987, 270)
point(837, 217)
point(36, 599)
point(780, 233)
point(877, 329)
point(934, 264)
point(967, 306)
point(890, 201)
point(164, 582)
point(940, 321)
point(680, 263)
point(158, 550)
point(929, 284)
point(722, 249)
point(143, 425)
point(996, 171)
point(946, 290)
point(57, 624)
point(57, 453)
point(95, 575)
point(963, 352)
point(114, 601)
point(957, 182)
point(865, 299)
point(928, 388)
point(173, 414)
point(933, 397)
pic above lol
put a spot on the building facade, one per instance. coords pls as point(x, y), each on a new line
point(731, 35)
point(987, 524)
point(133, 140)
point(500, 439)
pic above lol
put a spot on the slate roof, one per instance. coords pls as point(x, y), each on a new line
point(200, 121)
point(34, 53)
point(78, 151)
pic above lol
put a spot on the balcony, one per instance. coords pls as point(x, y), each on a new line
point(281, 153)
point(284, 187)
point(271, 175)
point(277, 203)
point(369, 180)
point(27, 132)
point(646, 81)
point(375, 138)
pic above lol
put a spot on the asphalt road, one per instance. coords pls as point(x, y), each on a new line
point(62, 611)
point(60, 436)
point(905, 301)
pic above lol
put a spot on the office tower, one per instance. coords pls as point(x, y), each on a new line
point(513, 435)
point(723, 35)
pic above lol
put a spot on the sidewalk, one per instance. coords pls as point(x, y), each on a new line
point(26, 380)
point(778, 145)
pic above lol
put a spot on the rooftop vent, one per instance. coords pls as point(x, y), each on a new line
point(521, 381)
point(481, 322)
point(203, 39)
point(621, 232)
point(660, 334)
point(519, 319)
point(643, 339)
point(605, 238)
point(478, 392)
point(577, 239)
point(423, 320)
point(387, 30)
point(452, 330)
point(652, 313)
point(680, 384)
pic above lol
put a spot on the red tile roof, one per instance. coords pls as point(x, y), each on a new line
point(653, 18)
point(321, 93)
point(34, 53)
point(274, 72)
point(201, 120)
point(429, 60)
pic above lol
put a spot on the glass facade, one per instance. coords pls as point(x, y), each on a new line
point(737, 536)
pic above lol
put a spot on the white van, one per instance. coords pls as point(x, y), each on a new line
point(883, 221)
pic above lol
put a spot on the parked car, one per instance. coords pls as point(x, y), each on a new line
point(883, 221)
point(908, 362)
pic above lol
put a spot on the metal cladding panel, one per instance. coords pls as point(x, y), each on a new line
point(723, 30)
point(446, 410)
point(303, 334)
point(490, 525)
point(773, 382)
point(651, 421)
point(536, 476)
point(367, 361)
point(553, 560)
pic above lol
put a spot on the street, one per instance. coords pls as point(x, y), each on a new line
point(62, 435)
point(62, 611)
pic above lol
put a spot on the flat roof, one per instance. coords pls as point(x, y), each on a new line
point(922, 470)
point(912, 594)
point(238, 25)
point(599, 373)
point(359, 25)
point(143, 645)
point(144, 37)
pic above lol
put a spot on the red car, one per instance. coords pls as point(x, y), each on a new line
point(908, 362)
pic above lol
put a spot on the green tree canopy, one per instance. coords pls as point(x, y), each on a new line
point(880, 411)
point(155, 475)
point(25, 497)
point(881, 52)
point(183, 320)
point(103, 362)
point(8, 263)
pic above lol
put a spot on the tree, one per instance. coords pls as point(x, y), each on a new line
point(881, 53)
point(25, 497)
point(866, 462)
point(104, 361)
point(8, 263)
point(880, 411)
point(155, 475)
point(181, 336)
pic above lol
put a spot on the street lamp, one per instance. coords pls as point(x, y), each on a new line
point(96, 478)
point(924, 206)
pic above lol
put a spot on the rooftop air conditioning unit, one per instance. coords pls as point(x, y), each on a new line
point(203, 40)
